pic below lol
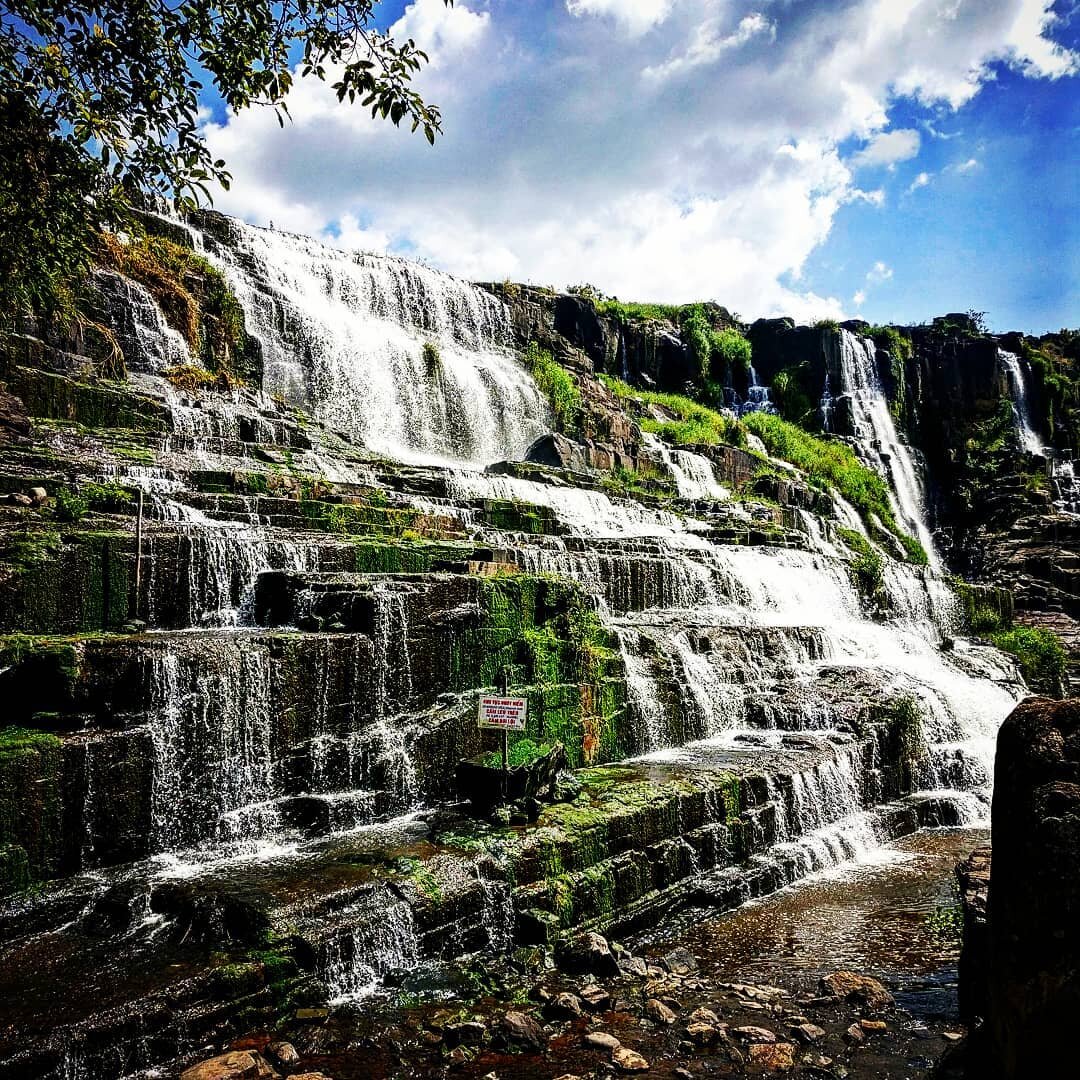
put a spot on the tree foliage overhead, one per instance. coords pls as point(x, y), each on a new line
point(100, 100)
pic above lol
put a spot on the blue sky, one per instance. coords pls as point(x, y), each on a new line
point(891, 159)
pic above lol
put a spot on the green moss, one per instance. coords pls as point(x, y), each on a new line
point(987, 609)
point(31, 808)
point(522, 751)
point(557, 385)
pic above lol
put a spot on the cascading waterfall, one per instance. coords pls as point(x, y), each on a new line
point(1029, 437)
point(414, 363)
point(757, 396)
point(876, 431)
point(353, 962)
point(693, 474)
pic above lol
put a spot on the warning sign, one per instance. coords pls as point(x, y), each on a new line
point(504, 713)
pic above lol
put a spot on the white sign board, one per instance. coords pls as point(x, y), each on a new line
point(504, 713)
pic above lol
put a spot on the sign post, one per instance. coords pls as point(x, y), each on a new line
point(505, 714)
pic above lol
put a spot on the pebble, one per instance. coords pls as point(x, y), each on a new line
point(601, 1040)
point(628, 1060)
point(704, 1016)
point(778, 1057)
point(808, 1033)
point(659, 1012)
point(855, 1034)
point(752, 1034)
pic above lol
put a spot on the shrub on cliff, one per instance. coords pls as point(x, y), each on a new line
point(557, 385)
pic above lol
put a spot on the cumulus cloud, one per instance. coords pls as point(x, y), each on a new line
point(888, 148)
point(920, 181)
point(859, 298)
point(561, 163)
point(966, 166)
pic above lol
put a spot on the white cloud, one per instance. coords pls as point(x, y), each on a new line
point(859, 298)
point(709, 43)
point(887, 148)
point(560, 163)
point(878, 273)
point(967, 166)
point(635, 16)
point(920, 181)
point(444, 33)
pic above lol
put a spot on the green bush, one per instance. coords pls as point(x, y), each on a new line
point(1040, 654)
point(557, 385)
point(70, 505)
point(831, 464)
point(522, 752)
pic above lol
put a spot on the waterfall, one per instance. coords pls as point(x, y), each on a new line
point(757, 396)
point(826, 405)
point(210, 726)
point(379, 942)
point(1030, 442)
point(693, 474)
point(1066, 483)
point(876, 431)
point(412, 362)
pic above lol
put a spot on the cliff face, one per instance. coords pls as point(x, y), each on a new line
point(994, 418)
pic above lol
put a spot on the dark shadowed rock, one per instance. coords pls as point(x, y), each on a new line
point(589, 953)
point(1034, 906)
point(973, 876)
point(520, 1031)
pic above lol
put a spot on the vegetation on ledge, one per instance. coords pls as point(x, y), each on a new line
point(693, 424)
point(833, 465)
point(1040, 655)
point(557, 385)
point(192, 294)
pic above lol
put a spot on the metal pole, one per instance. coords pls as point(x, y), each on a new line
point(505, 746)
point(138, 554)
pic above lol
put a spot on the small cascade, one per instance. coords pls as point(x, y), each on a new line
point(693, 474)
point(412, 362)
point(644, 693)
point(211, 729)
point(381, 940)
point(757, 396)
point(1066, 485)
point(825, 405)
point(1030, 442)
point(876, 431)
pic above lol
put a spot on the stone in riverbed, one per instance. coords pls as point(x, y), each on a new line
point(680, 962)
point(601, 1040)
point(703, 1034)
point(595, 997)
point(658, 1012)
point(518, 1029)
point(589, 953)
point(860, 989)
point(636, 966)
point(283, 1054)
point(753, 1034)
point(466, 1033)
point(778, 1057)
point(236, 1065)
point(563, 1006)
point(855, 1034)
point(808, 1033)
point(627, 1060)
point(704, 1016)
